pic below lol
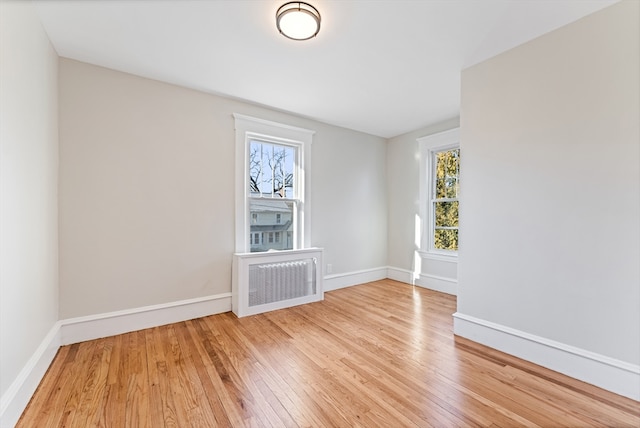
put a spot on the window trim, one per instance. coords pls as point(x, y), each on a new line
point(428, 146)
point(248, 128)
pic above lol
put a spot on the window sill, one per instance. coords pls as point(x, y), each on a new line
point(443, 257)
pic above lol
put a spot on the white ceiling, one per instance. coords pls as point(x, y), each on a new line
point(384, 67)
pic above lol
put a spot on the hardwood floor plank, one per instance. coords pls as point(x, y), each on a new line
point(378, 354)
point(154, 356)
point(397, 372)
point(177, 384)
point(363, 360)
point(303, 396)
point(48, 397)
point(248, 347)
point(95, 404)
point(231, 406)
point(116, 389)
point(80, 367)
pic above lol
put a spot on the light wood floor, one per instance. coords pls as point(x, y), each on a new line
point(378, 354)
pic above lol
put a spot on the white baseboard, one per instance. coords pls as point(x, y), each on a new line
point(432, 282)
point(438, 283)
point(342, 280)
point(91, 327)
point(15, 399)
point(401, 275)
point(608, 373)
point(74, 330)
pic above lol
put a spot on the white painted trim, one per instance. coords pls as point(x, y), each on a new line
point(605, 372)
point(91, 327)
point(246, 128)
point(441, 257)
point(268, 126)
point(432, 282)
point(342, 280)
point(74, 330)
point(17, 396)
point(240, 285)
point(428, 145)
point(402, 275)
point(438, 283)
point(440, 140)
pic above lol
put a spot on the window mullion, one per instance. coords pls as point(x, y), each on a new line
point(274, 213)
point(444, 163)
point(272, 154)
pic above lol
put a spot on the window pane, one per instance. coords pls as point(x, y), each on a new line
point(267, 222)
point(446, 214)
point(446, 239)
point(447, 172)
point(271, 170)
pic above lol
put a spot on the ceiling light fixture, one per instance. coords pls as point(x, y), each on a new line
point(298, 20)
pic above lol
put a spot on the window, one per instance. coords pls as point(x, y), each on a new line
point(255, 238)
point(439, 192)
point(445, 183)
point(273, 190)
point(272, 163)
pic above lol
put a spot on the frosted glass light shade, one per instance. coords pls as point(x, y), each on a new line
point(298, 20)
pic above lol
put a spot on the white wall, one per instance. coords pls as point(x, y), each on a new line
point(403, 189)
point(349, 205)
point(28, 188)
point(551, 187)
point(146, 191)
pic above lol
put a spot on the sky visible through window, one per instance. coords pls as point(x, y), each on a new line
point(271, 169)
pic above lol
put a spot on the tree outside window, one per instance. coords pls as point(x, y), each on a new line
point(446, 186)
point(439, 195)
point(273, 198)
point(272, 185)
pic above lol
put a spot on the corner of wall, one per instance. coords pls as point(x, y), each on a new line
point(599, 370)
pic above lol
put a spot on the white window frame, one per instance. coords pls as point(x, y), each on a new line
point(429, 146)
point(250, 128)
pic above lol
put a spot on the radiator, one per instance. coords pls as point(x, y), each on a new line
point(275, 280)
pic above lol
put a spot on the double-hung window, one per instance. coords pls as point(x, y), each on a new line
point(274, 197)
point(272, 186)
point(439, 192)
point(443, 206)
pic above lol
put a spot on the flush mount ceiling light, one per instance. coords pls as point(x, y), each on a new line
point(298, 20)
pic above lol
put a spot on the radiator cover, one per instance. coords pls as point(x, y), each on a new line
point(276, 279)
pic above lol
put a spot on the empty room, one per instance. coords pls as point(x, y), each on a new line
point(265, 213)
